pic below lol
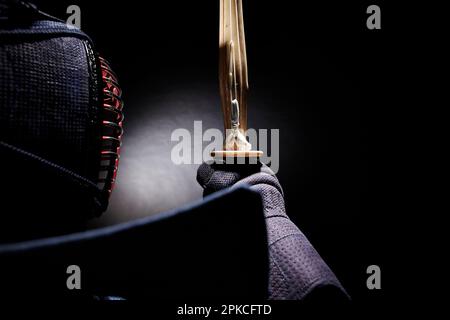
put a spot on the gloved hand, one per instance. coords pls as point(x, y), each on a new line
point(296, 269)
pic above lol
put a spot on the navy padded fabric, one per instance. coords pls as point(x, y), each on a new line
point(45, 106)
point(49, 109)
point(297, 271)
point(203, 252)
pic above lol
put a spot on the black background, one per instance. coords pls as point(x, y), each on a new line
point(316, 73)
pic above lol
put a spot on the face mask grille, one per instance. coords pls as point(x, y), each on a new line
point(111, 134)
